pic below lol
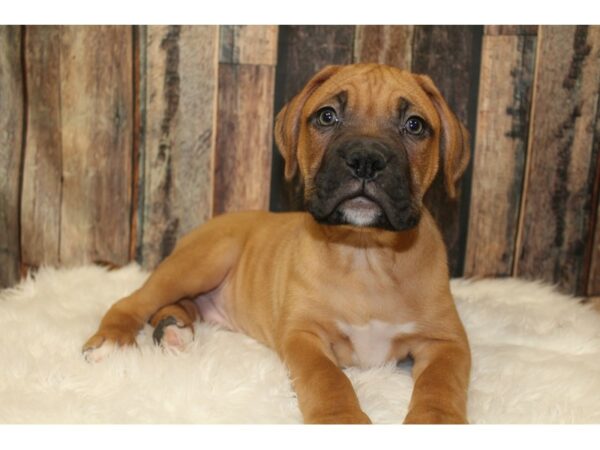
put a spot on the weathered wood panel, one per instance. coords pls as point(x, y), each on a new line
point(593, 242)
point(303, 51)
point(244, 137)
point(11, 135)
point(248, 44)
point(557, 198)
point(178, 101)
point(450, 56)
point(387, 44)
point(96, 127)
point(593, 284)
point(511, 30)
point(42, 168)
point(505, 86)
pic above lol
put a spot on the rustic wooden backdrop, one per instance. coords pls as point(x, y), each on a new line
point(116, 140)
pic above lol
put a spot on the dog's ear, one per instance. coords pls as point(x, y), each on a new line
point(454, 141)
point(287, 122)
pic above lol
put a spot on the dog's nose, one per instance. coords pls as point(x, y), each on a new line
point(365, 163)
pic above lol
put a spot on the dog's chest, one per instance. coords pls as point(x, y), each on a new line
point(370, 343)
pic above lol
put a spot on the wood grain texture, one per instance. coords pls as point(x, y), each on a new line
point(96, 127)
point(450, 56)
point(303, 51)
point(11, 135)
point(42, 167)
point(593, 284)
point(505, 87)
point(244, 137)
point(384, 44)
point(511, 30)
point(179, 103)
point(248, 44)
point(557, 206)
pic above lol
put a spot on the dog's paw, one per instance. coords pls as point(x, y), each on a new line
point(172, 335)
point(103, 343)
point(434, 416)
point(347, 418)
point(97, 354)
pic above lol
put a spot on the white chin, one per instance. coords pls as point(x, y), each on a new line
point(360, 211)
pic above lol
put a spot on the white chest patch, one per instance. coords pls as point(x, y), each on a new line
point(373, 340)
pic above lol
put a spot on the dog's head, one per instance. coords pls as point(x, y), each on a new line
point(367, 140)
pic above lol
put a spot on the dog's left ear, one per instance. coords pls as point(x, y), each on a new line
point(287, 122)
point(454, 141)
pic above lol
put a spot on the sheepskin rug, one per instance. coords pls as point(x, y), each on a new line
point(536, 359)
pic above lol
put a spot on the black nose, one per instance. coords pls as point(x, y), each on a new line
point(365, 163)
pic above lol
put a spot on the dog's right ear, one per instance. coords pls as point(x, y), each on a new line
point(287, 122)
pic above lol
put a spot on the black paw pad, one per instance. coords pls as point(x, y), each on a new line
point(159, 331)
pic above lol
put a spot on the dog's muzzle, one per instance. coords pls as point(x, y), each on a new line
point(364, 182)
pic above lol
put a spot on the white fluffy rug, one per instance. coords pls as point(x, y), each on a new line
point(536, 359)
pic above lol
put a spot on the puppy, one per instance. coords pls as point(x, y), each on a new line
point(361, 278)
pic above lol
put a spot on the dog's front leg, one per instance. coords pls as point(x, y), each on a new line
point(441, 374)
point(325, 394)
point(197, 265)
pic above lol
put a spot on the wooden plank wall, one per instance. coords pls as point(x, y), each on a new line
point(11, 151)
point(116, 140)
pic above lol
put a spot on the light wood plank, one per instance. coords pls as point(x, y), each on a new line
point(244, 137)
point(384, 44)
point(501, 143)
point(593, 285)
point(96, 126)
point(179, 99)
point(11, 133)
point(557, 208)
point(42, 168)
point(248, 44)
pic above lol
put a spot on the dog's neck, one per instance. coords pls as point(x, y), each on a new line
point(363, 237)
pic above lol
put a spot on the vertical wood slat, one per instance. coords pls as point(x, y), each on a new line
point(42, 167)
point(96, 126)
point(178, 98)
point(511, 30)
point(248, 44)
point(303, 50)
point(11, 133)
point(557, 206)
point(384, 44)
point(245, 119)
point(593, 283)
point(501, 144)
point(450, 56)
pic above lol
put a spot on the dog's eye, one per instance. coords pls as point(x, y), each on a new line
point(414, 125)
point(327, 117)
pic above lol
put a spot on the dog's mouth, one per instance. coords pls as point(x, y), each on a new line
point(361, 207)
point(360, 211)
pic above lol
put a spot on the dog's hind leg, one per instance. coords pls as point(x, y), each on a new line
point(174, 325)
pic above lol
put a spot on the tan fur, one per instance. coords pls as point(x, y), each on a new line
point(288, 281)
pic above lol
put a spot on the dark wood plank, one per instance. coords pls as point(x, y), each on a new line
point(244, 137)
point(450, 56)
point(303, 51)
point(248, 44)
point(511, 30)
point(178, 96)
point(505, 86)
point(11, 135)
point(96, 127)
point(42, 167)
point(556, 213)
point(384, 44)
